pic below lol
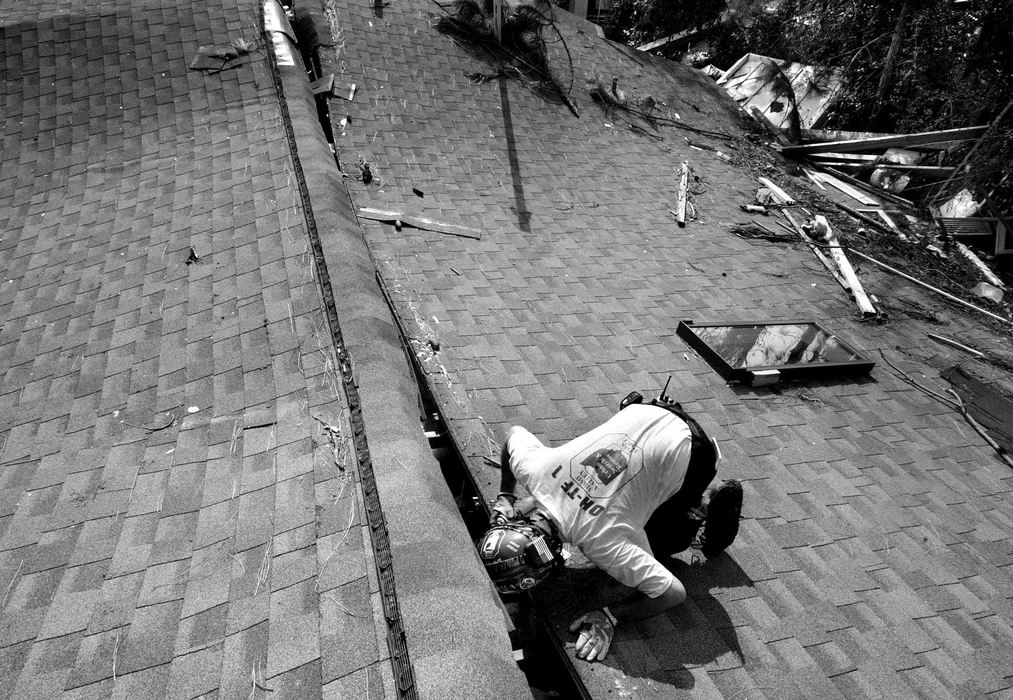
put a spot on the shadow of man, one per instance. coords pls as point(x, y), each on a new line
point(658, 651)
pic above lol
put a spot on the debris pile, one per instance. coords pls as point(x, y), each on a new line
point(829, 230)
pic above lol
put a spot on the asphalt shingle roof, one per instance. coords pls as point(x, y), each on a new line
point(874, 556)
point(180, 506)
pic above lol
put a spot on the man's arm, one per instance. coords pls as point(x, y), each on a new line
point(503, 507)
point(507, 480)
point(639, 606)
point(597, 627)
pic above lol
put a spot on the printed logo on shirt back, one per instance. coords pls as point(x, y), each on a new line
point(607, 464)
point(601, 469)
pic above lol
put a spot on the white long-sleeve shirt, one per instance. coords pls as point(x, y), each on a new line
point(602, 487)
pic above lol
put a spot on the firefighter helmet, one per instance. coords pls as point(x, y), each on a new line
point(518, 556)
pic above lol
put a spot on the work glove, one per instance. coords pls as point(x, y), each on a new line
point(596, 629)
point(503, 508)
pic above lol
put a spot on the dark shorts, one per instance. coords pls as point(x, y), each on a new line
point(672, 527)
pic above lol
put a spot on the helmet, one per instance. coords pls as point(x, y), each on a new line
point(518, 555)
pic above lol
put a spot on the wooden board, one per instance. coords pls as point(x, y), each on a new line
point(395, 217)
point(847, 189)
point(877, 143)
point(680, 206)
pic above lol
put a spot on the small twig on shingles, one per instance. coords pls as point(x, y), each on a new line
point(236, 432)
point(172, 421)
point(10, 585)
point(746, 690)
point(265, 569)
point(116, 648)
point(257, 682)
point(336, 441)
point(491, 462)
point(344, 536)
point(19, 460)
point(333, 599)
point(804, 395)
point(975, 552)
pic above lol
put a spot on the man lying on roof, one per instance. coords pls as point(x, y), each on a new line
point(635, 488)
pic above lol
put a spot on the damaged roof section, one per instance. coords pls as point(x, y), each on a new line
point(776, 88)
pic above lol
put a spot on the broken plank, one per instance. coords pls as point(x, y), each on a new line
point(873, 210)
point(780, 195)
point(889, 222)
point(847, 189)
point(889, 196)
point(815, 250)
point(825, 135)
point(848, 272)
point(858, 158)
point(324, 84)
point(680, 205)
point(926, 170)
point(855, 214)
point(815, 180)
point(876, 143)
point(419, 222)
point(989, 276)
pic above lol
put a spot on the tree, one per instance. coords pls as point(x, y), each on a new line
point(907, 66)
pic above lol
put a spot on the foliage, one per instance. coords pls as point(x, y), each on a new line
point(521, 53)
point(640, 21)
point(908, 65)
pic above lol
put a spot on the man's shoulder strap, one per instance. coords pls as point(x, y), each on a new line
point(672, 406)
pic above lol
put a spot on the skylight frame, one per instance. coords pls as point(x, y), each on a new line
point(767, 374)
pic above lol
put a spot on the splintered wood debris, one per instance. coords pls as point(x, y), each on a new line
point(400, 219)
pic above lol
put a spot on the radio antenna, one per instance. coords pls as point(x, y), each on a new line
point(664, 391)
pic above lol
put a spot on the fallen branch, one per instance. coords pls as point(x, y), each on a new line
point(10, 586)
point(907, 378)
point(981, 431)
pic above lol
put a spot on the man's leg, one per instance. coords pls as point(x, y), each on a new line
point(671, 530)
point(723, 503)
point(674, 524)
